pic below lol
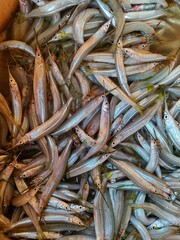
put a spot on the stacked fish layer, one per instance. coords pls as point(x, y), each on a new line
point(89, 135)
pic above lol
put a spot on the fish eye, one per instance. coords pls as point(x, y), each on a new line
point(165, 116)
point(113, 143)
point(143, 45)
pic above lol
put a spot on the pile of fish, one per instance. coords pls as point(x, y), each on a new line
point(90, 134)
